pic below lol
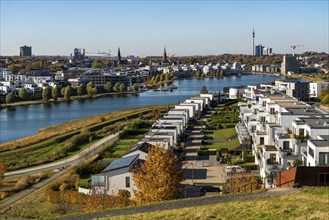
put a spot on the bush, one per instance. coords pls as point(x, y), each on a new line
point(90, 168)
point(249, 166)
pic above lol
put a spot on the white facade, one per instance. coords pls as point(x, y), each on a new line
point(316, 87)
point(192, 109)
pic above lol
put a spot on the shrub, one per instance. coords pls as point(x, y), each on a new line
point(249, 166)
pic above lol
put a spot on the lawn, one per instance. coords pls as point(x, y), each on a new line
point(311, 203)
point(223, 134)
point(229, 144)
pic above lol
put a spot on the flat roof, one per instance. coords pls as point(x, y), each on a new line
point(280, 97)
point(292, 103)
point(270, 148)
point(317, 122)
point(302, 111)
point(321, 143)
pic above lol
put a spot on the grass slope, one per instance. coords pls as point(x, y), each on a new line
point(311, 203)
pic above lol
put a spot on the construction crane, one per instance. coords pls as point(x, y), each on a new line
point(294, 48)
point(108, 54)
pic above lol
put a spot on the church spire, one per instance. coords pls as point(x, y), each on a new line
point(164, 55)
point(119, 55)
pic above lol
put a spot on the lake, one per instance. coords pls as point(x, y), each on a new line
point(27, 120)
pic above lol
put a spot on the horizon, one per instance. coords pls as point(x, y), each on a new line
point(185, 28)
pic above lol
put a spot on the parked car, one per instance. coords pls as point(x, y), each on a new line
point(209, 189)
point(234, 169)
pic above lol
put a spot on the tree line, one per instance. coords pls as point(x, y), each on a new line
point(66, 92)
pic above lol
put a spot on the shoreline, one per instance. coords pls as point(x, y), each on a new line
point(62, 100)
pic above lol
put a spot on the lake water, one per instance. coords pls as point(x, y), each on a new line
point(27, 120)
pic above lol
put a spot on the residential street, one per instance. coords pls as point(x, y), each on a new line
point(200, 169)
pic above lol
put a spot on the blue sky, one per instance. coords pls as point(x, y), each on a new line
point(145, 27)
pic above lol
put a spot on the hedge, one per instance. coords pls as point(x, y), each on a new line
point(249, 166)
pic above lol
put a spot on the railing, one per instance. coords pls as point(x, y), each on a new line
point(271, 167)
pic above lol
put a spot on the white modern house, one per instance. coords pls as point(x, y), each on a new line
point(316, 87)
point(278, 125)
point(117, 176)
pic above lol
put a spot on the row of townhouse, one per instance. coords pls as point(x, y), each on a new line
point(302, 91)
point(283, 131)
point(166, 131)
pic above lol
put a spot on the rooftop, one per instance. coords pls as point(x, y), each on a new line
point(270, 148)
point(317, 122)
point(291, 103)
point(121, 163)
point(280, 97)
point(324, 142)
point(302, 111)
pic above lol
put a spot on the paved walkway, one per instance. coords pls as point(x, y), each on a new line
point(201, 169)
point(74, 160)
point(187, 203)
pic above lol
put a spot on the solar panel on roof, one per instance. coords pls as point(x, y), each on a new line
point(120, 163)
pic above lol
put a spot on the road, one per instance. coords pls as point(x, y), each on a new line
point(67, 163)
point(71, 161)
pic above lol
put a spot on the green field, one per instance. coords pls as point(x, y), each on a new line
point(223, 134)
point(311, 203)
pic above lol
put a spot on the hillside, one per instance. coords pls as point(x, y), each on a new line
point(310, 203)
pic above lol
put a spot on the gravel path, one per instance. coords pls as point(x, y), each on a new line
point(186, 203)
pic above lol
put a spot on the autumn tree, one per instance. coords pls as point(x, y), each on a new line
point(108, 87)
point(54, 93)
point(67, 93)
point(22, 93)
point(134, 87)
point(81, 90)
point(116, 87)
point(10, 98)
point(203, 90)
point(91, 89)
point(2, 172)
point(221, 73)
point(159, 177)
point(242, 183)
point(97, 64)
point(46, 94)
point(122, 87)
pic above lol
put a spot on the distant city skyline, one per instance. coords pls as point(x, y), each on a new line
point(146, 27)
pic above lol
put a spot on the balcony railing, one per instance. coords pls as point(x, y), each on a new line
point(274, 167)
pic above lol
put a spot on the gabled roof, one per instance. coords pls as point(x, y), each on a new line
point(121, 163)
point(144, 147)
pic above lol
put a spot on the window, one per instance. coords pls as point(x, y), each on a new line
point(262, 119)
point(272, 110)
point(301, 131)
point(311, 152)
point(286, 145)
point(127, 181)
point(261, 141)
point(323, 158)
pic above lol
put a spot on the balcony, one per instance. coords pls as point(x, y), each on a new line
point(273, 167)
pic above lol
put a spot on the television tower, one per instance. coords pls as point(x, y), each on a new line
point(253, 42)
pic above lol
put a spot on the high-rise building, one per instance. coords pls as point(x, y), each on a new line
point(259, 50)
point(253, 42)
point(267, 51)
point(289, 64)
point(25, 51)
